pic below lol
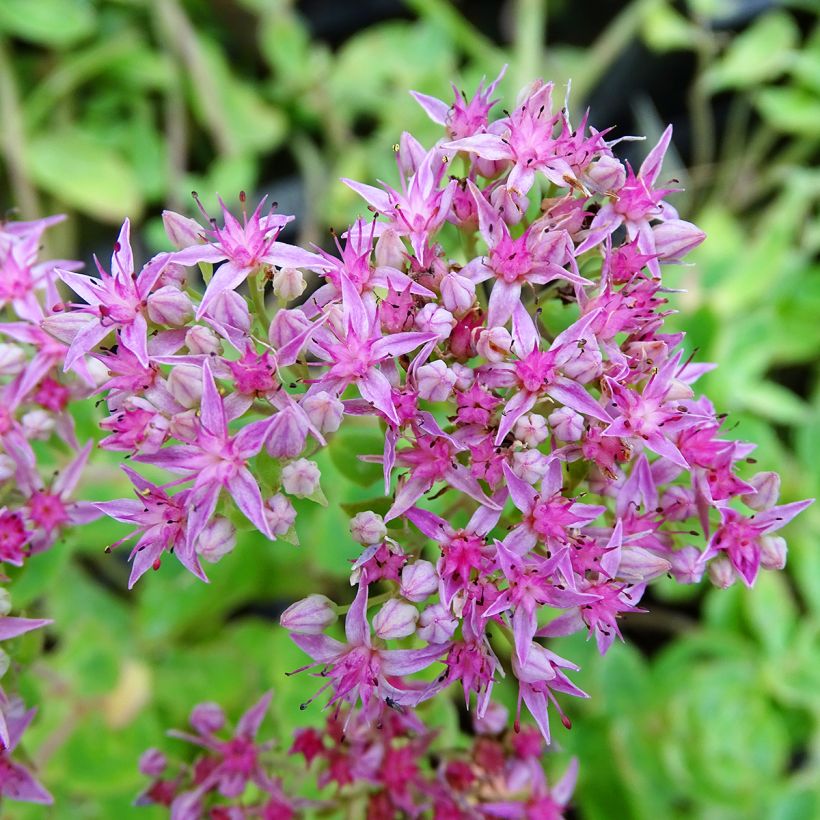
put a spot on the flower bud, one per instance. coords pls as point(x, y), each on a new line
point(185, 385)
point(288, 433)
point(531, 429)
point(465, 376)
point(181, 230)
point(767, 485)
point(174, 275)
point(231, 310)
point(37, 424)
point(721, 572)
point(216, 540)
point(183, 426)
point(457, 293)
point(510, 204)
point(324, 411)
point(310, 616)
point(437, 624)
point(8, 467)
point(566, 424)
point(678, 503)
point(289, 283)
point(773, 551)
point(396, 619)
point(201, 339)
point(675, 238)
point(606, 175)
point(419, 580)
point(152, 763)
point(679, 391)
point(5, 602)
point(493, 721)
point(530, 465)
point(12, 359)
point(687, 565)
point(279, 514)
point(435, 381)
point(207, 718)
point(390, 250)
point(5, 663)
point(367, 528)
point(286, 326)
point(639, 565)
point(170, 307)
point(434, 319)
point(494, 344)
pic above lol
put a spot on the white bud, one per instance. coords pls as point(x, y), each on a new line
point(390, 250)
point(419, 580)
point(530, 465)
point(170, 306)
point(437, 624)
point(567, 424)
point(531, 429)
point(301, 478)
point(289, 283)
point(434, 319)
point(435, 381)
point(767, 485)
point(773, 551)
point(396, 619)
point(12, 359)
point(457, 293)
point(185, 385)
point(324, 411)
point(721, 572)
point(8, 467)
point(201, 339)
point(465, 376)
point(37, 424)
point(216, 540)
point(368, 528)
point(279, 514)
point(494, 344)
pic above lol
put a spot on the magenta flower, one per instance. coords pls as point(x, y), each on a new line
point(16, 781)
point(244, 248)
point(216, 460)
point(358, 670)
point(115, 301)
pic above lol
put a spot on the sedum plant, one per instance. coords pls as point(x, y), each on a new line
point(499, 320)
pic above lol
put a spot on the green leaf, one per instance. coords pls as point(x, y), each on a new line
point(54, 23)
point(665, 29)
point(84, 174)
point(771, 611)
point(762, 52)
point(345, 448)
point(791, 110)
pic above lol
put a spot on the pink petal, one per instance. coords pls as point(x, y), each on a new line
point(228, 276)
point(212, 409)
point(434, 108)
point(488, 146)
point(376, 197)
point(651, 166)
point(245, 492)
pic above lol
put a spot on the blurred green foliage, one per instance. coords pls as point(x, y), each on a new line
point(116, 107)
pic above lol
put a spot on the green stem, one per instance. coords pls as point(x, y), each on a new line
point(530, 34)
point(257, 288)
point(378, 599)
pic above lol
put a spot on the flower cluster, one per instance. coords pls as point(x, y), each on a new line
point(545, 452)
point(387, 770)
point(500, 320)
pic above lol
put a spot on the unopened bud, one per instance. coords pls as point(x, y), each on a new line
point(279, 514)
point(289, 283)
point(675, 238)
point(530, 465)
point(419, 580)
point(37, 424)
point(638, 565)
point(286, 326)
point(230, 309)
point(390, 250)
point(5, 602)
point(207, 718)
point(687, 565)
point(531, 429)
point(605, 175)
point(216, 540)
point(181, 230)
point(773, 552)
point(493, 721)
point(324, 411)
point(494, 344)
point(152, 763)
point(12, 359)
point(201, 339)
point(767, 485)
point(396, 619)
point(435, 381)
point(721, 572)
point(310, 616)
point(434, 319)
point(437, 624)
point(457, 293)
point(185, 385)
point(368, 528)
point(8, 467)
point(567, 424)
point(170, 307)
